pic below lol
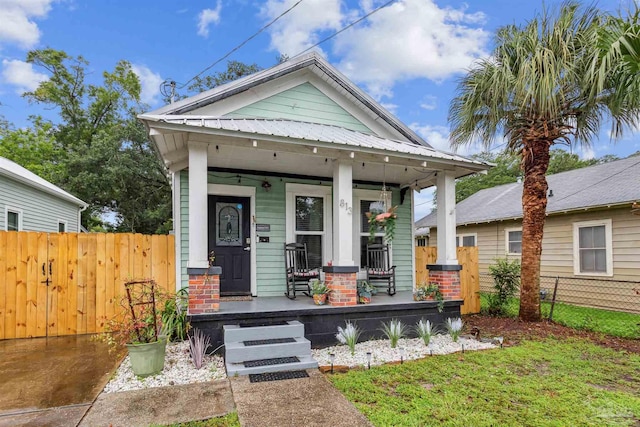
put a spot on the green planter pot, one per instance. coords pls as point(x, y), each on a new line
point(147, 358)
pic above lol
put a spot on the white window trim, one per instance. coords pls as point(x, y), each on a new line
point(461, 235)
point(506, 240)
point(20, 213)
point(293, 190)
point(242, 191)
point(66, 226)
point(359, 195)
point(608, 241)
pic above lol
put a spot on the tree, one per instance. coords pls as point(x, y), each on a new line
point(102, 153)
point(234, 71)
point(537, 89)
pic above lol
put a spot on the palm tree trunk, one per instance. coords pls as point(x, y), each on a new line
point(535, 161)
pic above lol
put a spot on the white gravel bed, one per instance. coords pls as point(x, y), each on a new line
point(381, 351)
point(178, 369)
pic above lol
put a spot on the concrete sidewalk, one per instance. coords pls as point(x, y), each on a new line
point(299, 402)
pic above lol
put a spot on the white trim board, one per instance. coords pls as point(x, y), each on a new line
point(242, 191)
point(20, 213)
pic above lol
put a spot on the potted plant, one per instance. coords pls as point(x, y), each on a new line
point(139, 328)
point(382, 220)
point(430, 292)
point(365, 291)
point(319, 291)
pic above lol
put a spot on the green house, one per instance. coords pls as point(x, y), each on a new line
point(295, 153)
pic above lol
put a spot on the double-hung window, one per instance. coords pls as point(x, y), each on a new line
point(309, 220)
point(466, 239)
point(13, 219)
point(364, 201)
point(513, 241)
point(592, 248)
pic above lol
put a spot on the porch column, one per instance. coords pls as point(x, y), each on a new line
point(446, 218)
point(342, 213)
point(198, 205)
point(446, 271)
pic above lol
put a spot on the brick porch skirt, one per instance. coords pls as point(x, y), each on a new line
point(447, 277)
point(342, 283)
point(204, 290)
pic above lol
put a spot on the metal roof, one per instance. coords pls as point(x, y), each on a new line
point(603, 185)
point(18, 173)
point(313, 132)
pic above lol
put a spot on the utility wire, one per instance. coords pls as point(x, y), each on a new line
point(357, 21)
point(241, 44)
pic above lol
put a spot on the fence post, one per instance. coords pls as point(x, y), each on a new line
point(553, 300)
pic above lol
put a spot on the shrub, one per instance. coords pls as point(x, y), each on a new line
point(506, 281)
point(454, 326)
point(394, 330)
point(425, 331)
point(174, 316)
point(349, 336)
point(198, 345)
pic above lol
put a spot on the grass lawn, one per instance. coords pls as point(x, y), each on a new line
point(616, 323)
point(537, 383)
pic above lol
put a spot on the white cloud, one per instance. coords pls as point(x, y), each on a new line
point(150, 83)
point(300, 28)
point(411, 39)
point(423, 203)
point(21, 74)
point(17, 18)
point(208, 17)
point(429, 102)
point(437, 136)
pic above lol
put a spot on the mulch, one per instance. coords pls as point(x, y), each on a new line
point(514, 331)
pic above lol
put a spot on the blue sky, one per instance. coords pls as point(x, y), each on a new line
point(408, 55)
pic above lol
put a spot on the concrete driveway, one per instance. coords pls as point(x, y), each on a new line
point(41, 373)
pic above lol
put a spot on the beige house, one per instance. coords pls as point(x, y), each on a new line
point(591, 233)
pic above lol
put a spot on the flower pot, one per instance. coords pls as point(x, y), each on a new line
point(320, 299)
point(364, 298)
point(147, 358)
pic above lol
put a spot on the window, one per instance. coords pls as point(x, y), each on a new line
point(13, 218)
point(362, 203)
point(592, 244)
point(513, 241)
point(62, 226)
point(422, 241)
point(466, 239)
point(309, 220)
point(365, 206)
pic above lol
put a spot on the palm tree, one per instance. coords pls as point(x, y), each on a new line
point(537, 89)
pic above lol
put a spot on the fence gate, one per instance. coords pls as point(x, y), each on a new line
point(55, 284)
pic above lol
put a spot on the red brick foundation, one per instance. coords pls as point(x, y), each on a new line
point(204, 291)
point(448, 279)
point(343, 288)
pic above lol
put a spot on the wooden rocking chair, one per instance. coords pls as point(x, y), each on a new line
point(297, 270)
point(379, 268)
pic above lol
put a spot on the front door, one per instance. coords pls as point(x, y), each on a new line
point(230, 238)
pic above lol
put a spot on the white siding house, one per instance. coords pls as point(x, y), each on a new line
point(31, 203)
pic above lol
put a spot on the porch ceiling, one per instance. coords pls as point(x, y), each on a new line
point(281, 146)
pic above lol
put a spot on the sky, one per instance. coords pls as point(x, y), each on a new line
point(408, 55)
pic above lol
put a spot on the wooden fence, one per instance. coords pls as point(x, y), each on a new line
point(71, 283)
point(469, 275)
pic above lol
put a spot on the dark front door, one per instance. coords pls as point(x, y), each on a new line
point(230, 238)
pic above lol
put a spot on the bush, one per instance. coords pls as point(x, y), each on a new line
point(506, 281)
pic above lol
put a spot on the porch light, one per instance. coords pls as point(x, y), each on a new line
point(386, 159)
point(266, 185)
point(332, 358)
point(254, 143)
point(315, 150)
point(352, 154)
point(368, 360)
point(424, 164)
point(500, 340)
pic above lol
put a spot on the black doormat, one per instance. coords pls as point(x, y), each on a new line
point(270, 341)
point(276, 376)
point(269, 362)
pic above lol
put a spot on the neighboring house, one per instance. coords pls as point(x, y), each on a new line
point(31, 203)
point(294, 153)
point(590, 231)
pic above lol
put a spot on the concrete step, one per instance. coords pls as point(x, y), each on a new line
point(239, 352)
point(234, 333)
point(306, 362)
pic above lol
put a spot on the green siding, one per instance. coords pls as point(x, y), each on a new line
point(271, 209)
point(305, 103)
point(41, 211)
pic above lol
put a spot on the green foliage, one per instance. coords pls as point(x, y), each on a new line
point(174, 316)
point(553, 382)
point(425, 330)
point(506, 281)
point(431, 291)
point(349, 336)
point(454, 327)
point(319, 288)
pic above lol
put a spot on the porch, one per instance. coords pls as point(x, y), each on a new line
point(321, 321)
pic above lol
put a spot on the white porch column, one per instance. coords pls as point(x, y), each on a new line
point(342, 213)
point(446, 218)
point(198, 215)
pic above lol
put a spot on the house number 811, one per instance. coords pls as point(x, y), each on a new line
point(345, 205)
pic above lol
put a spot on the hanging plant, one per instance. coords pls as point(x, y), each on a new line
point(382, 220)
